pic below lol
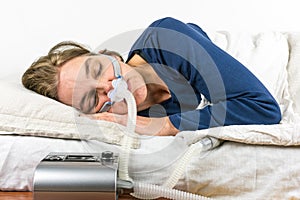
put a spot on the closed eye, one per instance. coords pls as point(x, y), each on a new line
point(89, 101)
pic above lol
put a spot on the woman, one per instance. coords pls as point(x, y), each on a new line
point(170, 69)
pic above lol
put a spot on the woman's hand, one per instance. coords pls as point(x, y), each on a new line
point(144, 125)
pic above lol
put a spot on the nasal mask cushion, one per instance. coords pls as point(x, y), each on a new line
point(119, 85)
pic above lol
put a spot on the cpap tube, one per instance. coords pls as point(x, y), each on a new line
point(144, 190)
point(128, 138)
point(150, 191)
point(119, 93)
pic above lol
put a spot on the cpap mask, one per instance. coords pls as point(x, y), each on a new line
point(119, 85)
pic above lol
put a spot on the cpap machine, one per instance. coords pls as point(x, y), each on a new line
point(104, 175)
point(75, 176)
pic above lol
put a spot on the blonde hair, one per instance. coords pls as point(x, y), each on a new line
point(42, 76)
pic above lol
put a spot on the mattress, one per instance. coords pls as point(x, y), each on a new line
point(232, 171)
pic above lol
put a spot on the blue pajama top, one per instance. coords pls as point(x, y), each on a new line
point(190, 64)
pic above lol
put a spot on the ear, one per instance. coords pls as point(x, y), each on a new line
point(112, 53)
point(118, 58)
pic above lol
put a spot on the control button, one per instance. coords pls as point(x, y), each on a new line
point(54, 158)
point(107, 155)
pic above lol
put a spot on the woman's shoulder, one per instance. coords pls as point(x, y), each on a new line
point(165, 22)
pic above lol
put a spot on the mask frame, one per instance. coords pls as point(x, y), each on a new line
point(117, 72)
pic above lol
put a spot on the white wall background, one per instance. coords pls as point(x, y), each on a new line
point(30, 27)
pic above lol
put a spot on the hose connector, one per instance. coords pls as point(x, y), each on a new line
point(209, 143)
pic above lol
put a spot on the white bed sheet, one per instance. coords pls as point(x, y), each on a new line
point(231, 171)
point(21, 154)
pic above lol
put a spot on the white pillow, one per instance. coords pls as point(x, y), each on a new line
point(24, 112)
point(266, 55)
point(294, 69)
point(27, 113)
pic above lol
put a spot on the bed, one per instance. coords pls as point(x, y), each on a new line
point(253, 162)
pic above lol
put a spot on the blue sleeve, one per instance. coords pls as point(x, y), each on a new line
point(191, 65)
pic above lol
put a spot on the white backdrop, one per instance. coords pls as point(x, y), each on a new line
point(30, 27)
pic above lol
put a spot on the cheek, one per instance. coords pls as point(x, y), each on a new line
point(136, 84)
point(140, 94)
point(137, 87)
point(134, 80)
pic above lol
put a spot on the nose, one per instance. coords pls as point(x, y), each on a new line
point(104, 87)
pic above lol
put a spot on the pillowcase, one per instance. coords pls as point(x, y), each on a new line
point(24, 112)
point(294, 69)
point(266, 55)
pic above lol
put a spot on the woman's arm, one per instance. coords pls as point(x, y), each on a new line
point(178, 50)
point(144, 125)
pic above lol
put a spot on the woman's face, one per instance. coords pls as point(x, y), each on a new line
point(85, 81)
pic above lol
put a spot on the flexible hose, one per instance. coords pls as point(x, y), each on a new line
point(144, 190)
point(148, 191)
point(206, 143)
point(181, 165)
point(128, 137)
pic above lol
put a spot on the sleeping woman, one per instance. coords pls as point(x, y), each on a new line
point(170, 69)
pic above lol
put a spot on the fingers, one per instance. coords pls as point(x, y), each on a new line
point(144, 125)
point(155, 126)
point(106, 116)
